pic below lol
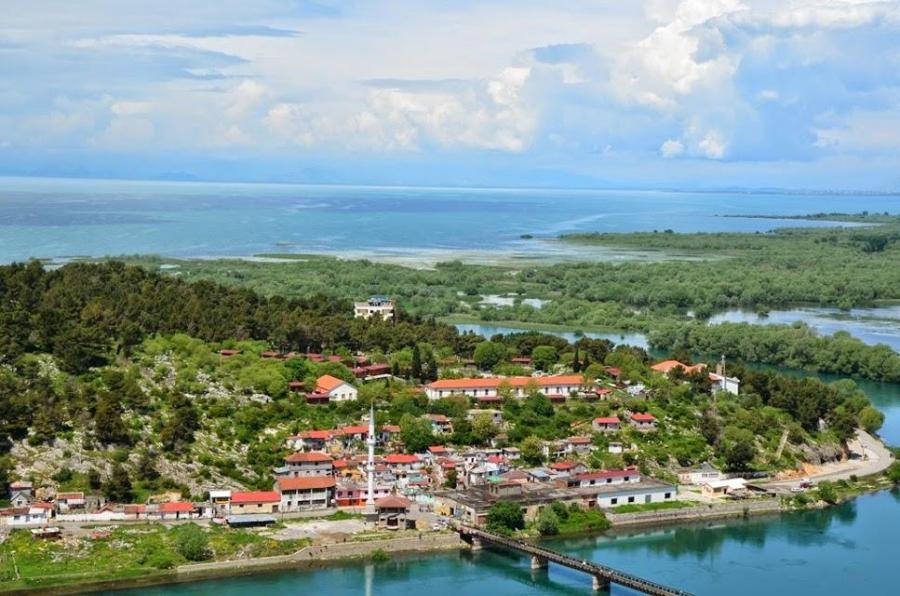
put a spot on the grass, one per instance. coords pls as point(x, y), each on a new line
point(641, 507)
point(577, 522)
point(130, 552)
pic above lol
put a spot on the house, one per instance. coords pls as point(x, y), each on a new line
point(643, 422)
point(370, 371)
point(603, 477)
point(393, 512)
point(579, 445)
point(568, 468)
point(176, 510)
point(721, 382)
point(312, 463)
point(352, 494)
point(613, 372)
point(722, 488)
point(304, 493)
point(645, 491)
point(73, 501)
point(21, 493)
point(388, 433)
point(336, 389)
point(375, 306)
point(511, 453)
point(602, 393)
point(254, 502)
point(699, 475)
point(353, 434)
point(605, 424)
point(490, 387)
point(496, 416)
point(40, 512)
point(667, 366)
point(310, 440)
point(402, 464)
point(219, 500)
point(440, 424)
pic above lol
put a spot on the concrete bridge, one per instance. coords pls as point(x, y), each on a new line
point(601, 575)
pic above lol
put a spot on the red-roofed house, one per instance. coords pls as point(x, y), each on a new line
point(392, 512)
point(402, 464)
point(351, 494)
point(176, 510)
point(312, 463)
point(310, 440)
point(667, 366)
point(303, 493)
point(550, 385)
point(606, 424)
point(579, 445)
point(440, 424)
point(258, 501)
point(643, 422)
point(388, 433)
point(336, 389)
point(568, 467)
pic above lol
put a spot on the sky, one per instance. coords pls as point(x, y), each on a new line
point(604, 93)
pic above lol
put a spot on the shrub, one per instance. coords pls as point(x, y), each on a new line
point(192, 543)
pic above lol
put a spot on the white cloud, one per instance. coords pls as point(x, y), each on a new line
point(713, 145)
point(671, 148)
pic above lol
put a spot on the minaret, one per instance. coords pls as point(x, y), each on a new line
point(370, 465)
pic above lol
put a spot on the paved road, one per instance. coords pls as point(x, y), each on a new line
point(878, 459)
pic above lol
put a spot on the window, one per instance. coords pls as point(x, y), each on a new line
point(631, 499)
point(614, 501)
point(668, 495)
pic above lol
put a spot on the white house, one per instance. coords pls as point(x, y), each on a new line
point(701, 474)
point(645, 491)
point(549, 385)
point(312, 492)
point(604, 477)
point(375, 306)
point(335, 388)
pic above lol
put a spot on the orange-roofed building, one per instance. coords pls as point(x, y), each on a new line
point(257, 501)
point(312, 463)
point(556, 385)
point(336, 389)
point(305, 493)
point(667, 366)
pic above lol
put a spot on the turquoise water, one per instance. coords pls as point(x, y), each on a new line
point(631, 339)
point(850, 549)
point(61, 218)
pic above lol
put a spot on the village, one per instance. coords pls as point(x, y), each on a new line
point(366, 470)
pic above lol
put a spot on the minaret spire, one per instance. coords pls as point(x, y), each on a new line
point(370, 465)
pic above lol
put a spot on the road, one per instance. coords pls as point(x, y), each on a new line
point(874, 459)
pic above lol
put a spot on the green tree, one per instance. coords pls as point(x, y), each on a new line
point(108, 424)
point(544, 357)
point(488, 354)
point(192, 543)
point(827, 492)
point(505, 517)
point(739, 448)
point(416, 434)
point(416, 368)
point(548, 522)
point(451, 479)
point(483, 428)
point(532, 451)
point(118, 487)
point(870, 419)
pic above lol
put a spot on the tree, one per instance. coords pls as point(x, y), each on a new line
point(483, 428)
point(532, 451)
point(739, 448)
point(416, 368)
point(827, 492)
point(843, 424)
point(416, 434)
point(432, 372)
point(93, 478)
point(192, 543)
point(893, 473)
point(544, 357)
point(146, 468)
point(118, 487)
point(451, 479)
point(488, 354)
point(548, 522)
point(870, 419)
point(505, 517)
point(108, 424)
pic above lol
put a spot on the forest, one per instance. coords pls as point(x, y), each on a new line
point(669, 299)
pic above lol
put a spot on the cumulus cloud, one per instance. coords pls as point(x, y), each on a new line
point(671, 148)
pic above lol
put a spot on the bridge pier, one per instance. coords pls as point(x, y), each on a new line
point(476, 544)
point(600, 583)
point(538, 562)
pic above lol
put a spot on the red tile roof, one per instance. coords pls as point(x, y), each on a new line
point(390, 428)
point(311, 457)
point(305, 483)
point(392, 502)
point(400, 458)
point(491, 382)
point(257, 496)
point(607, 420)
point(327, 383)
point(315, 434)
point(359, 429)
point(667, 366)
point(176, 507)
point(565, 465)
point(579, 440)
point(640, 417)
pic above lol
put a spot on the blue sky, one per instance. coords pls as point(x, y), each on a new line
point(660, 93)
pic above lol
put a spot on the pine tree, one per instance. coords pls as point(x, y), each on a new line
point(416, 363)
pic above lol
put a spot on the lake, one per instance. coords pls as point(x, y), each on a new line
point(879, 325)
point(58, 218)
point(488, 330)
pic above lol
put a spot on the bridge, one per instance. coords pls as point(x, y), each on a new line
point(601, 575)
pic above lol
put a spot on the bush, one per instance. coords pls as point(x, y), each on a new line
point(548, 523)
point(504, 517)
point(192, 543)
point(827, 492)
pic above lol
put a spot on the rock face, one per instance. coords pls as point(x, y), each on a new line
point(820, 454)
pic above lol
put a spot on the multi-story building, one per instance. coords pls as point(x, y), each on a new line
point(375, 306)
